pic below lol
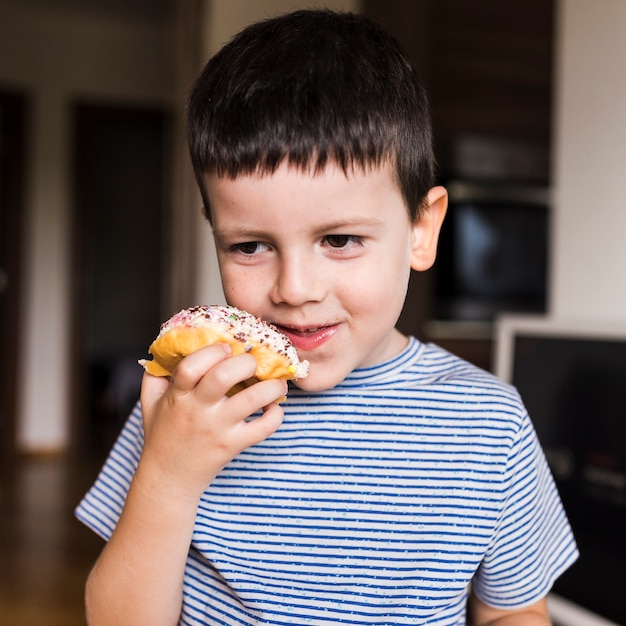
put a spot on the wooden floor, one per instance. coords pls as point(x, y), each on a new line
point(45, 553)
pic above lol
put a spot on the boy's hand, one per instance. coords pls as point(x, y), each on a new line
point(192, 429)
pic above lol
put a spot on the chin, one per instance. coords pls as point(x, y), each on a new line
point(314, 384)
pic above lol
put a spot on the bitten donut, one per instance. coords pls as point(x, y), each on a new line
point(199, 326)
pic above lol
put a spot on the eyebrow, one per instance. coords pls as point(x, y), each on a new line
point(337, 225)
point(348, 223)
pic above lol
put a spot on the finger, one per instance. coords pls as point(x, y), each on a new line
point(216, 383)
point(152, 388)
point(272, 418)
point(190, 371)
point(259, 429)
point(257, 396)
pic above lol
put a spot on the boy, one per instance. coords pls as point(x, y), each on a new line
point(396, 481)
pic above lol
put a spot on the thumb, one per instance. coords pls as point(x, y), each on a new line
point(264, 426)
point(152, 388)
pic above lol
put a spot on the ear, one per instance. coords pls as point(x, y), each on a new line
point(426, 229)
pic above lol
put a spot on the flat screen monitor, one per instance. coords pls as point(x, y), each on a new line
point(571, 376)
point(492, 258)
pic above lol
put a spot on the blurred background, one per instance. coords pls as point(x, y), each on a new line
point(101, 235)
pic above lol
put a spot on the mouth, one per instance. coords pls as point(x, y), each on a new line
point(309, 338)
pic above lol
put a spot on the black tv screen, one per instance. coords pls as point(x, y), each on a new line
point(492, 258)
point(574, 386)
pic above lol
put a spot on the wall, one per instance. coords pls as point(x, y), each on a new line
point(589, 161)
point(54, 53)
point(53, 57)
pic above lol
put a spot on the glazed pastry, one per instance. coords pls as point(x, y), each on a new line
point(199, 326)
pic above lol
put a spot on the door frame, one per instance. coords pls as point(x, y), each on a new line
point(84, 113)
point(12, 177)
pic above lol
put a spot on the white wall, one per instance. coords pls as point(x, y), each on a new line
point(589, 237)
point(54, 57)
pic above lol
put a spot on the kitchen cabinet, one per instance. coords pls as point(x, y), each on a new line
point(487, 66)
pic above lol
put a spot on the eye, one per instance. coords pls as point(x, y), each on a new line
point(249, 247)
point(342, 241)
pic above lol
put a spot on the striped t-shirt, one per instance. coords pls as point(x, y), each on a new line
point(376, 502)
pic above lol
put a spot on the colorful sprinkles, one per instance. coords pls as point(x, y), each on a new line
point(243, 326)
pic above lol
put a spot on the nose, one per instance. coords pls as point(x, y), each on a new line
point(299, 279)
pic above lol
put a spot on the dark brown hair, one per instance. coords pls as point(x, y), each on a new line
point(309, 88)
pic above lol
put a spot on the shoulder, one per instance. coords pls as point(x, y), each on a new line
point(102, 505)
point(430, 388)
point(445, 365)
point(442, 370)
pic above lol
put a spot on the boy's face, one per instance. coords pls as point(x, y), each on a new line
point(325, 257)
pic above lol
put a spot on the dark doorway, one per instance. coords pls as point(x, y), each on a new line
point(12, 153)
point(121, 181)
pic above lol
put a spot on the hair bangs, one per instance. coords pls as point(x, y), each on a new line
point(309, 89)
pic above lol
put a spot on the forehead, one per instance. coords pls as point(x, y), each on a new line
point(302, 192)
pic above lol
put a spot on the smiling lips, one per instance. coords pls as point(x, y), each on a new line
point(309, 338)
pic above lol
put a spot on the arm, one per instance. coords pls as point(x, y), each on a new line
point(192, 430)
point(482, 614)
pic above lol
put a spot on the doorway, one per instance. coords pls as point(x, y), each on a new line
point(12, 158)
point(121, 191)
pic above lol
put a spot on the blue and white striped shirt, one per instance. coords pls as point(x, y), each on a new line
point(375, 503)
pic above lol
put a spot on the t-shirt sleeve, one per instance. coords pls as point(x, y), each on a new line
point(533, 543)
point(102, 506)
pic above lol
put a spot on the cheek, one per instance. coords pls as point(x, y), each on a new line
point(386, 277)
point(240, 287)
point(377, 292)
point(386, 294)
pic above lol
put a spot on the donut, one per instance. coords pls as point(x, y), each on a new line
point(199, 326)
